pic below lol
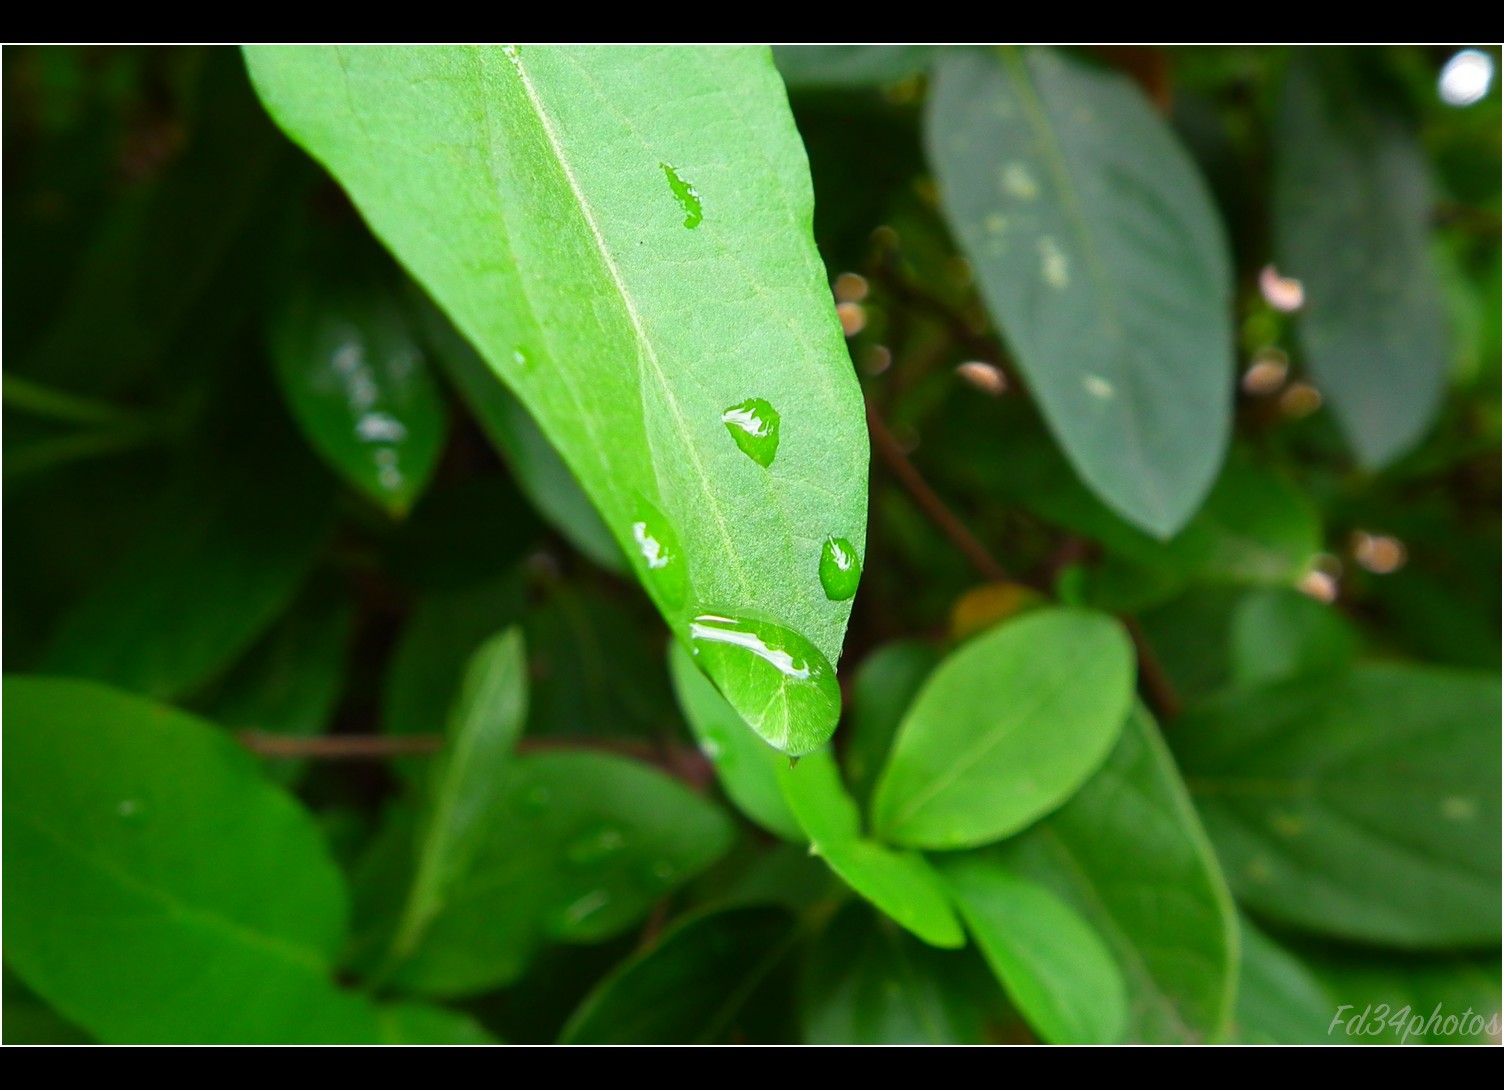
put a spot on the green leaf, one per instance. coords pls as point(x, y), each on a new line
point(1352, 222)
point(1281, 1001)
point(158, 888)
point(290, 681)
point(885, 686)
point(1128, 853)
point(1451, 1000)
point(1100, 254)
point(691, 986)
point(867, 983)
point(662, 170)
point(1363, 805)
point(847, 66)
point(1054, 965)
point(466, 782)
point(535, 464)
point(581, 848)
point(356, 378)
point(902, 884)
point(1005, 730)
point(425, 1024)
point(745, 766)
point(27, 1020)
point(1279, 633)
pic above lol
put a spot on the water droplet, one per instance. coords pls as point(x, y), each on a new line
point(1018, 182)
point(658, 548)
point(520, 357)
point(1052, 263)
point(581, 910)
point(793, 763)
point(840, 569)
point(753, 425)
point(380, 428)
point(687, 196)
point(1097, 386)
point(776, 679)
point(595, 846)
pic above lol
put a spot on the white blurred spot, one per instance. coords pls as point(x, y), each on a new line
point(1301, 399)
point(1466, 78)
point(1379, 553)
point(380, 428)
point(984, 376)
point(1319, 585)
point(1097, 387)
point(1283, 293)
point(1266, 373)
point(853, 318)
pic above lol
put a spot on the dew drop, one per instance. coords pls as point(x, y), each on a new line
point(776, 679)
point(688, 197)
point(596, 846)
point(840, 569)
point(521, 358)
point(753, 425)
point(657, 547)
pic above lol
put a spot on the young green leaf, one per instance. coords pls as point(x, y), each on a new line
point(582, 846)
point(1128, 853)
point(465, 787)
point(1363, 805)
point(902, 884)
point(1352, 223)
point(691, 986)
point(624, 235)
point(1054, 965)
point(745, 765)
point(866, 982)
point(358, 383)
point(158, 889)
point(1100, 254)
point(1005, 730)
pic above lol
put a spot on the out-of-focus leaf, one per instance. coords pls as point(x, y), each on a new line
point(885, 686)
point(1352, 216)
point(1281, 1001)
point(158, 888)
point(1446, 1000)
point(833, 66)
point(1280, 633)
point(1005, 730)
point(901, 883)
point(581, 848)
point(30, 1021)
point(1129, 854)
point(662, 170)
point(745, 765)
point(1100, 253)
point(1362, 806)
point(426, 1024)
point(461, 534)
point(689, 988)
point(868, 983)
point(1055, 967)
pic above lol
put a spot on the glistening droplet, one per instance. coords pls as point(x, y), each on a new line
point(657, 549)
point(840, 569)
point(753, 425)
point(688, 197)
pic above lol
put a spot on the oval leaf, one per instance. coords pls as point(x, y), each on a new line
point(1101, 256)
point(568, 207)
point(1006, 729)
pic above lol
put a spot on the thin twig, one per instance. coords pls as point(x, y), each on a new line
point(1157, 685)
point(929, 502)
point(339, 746)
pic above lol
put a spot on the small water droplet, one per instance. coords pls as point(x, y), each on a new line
point(777, 680)
point(840, 569)
point(1018, 182)
point(1097, 386)
point(753, 425)
point(688, 197)
point(657, 546)
point(595, 846)
point(380, 428)
point(581, 910)
point(520, 357)
point(1053, 265)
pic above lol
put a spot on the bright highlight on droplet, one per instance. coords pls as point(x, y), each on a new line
point(1466, 78)
point(1283, 293)
point(658, 546)
point(984, 376)
point(753, 425)
point(840, 569)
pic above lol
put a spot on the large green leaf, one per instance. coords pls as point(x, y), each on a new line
point(1099, 252)
point(356, 378)
point(868, 983)
point(1005, 730)
point(465, 787)
point(1352, 219)
point(1364, 805)
point(1056, 968)
point(581, 847)
point(1129, 854)
point(568, 207)
point(690, 988)
point(744, 764)
point(1278, 633)
point(158, 889)
point(902, 884)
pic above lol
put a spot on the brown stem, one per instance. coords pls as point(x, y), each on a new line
point(929, 502)
point(339, 746)
point(1157, 685)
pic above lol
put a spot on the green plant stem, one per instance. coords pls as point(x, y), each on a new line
point(35, 399)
